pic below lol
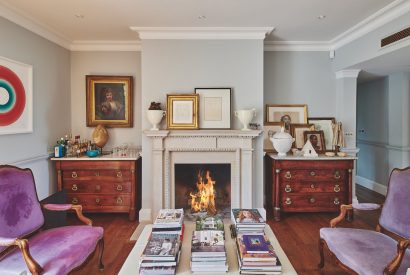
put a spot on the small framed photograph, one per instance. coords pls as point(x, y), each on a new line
point(324, 124)
point(182, 111)
point(214, 108)
point(268, 132)
point(317, 139)
point(297, 131)
point(109, 100)
point(287, 114)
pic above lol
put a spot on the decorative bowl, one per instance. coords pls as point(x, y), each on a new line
point(282, 142)
point(330, 154)
point(342, 154)
point(92, 153)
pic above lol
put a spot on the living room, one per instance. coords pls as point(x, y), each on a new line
point(284, 53)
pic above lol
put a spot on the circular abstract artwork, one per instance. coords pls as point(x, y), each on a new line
point(12, 97)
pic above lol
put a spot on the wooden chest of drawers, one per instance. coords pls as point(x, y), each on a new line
point(308, 185)
point(100, 185)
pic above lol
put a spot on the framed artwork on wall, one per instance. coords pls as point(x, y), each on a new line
point(214, 108)
point(109, 100)
point(297, 131)
point(324, 124)
point(16, 97)
point(287, 114)
point(317, 139)
point(268, 132)
point(182, 111)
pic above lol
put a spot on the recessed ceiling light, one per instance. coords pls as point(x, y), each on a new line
point(80, 16)
point(201, 17)
point(322, 16)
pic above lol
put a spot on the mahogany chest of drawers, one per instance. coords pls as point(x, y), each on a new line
point(308, 185)
point(100, 185)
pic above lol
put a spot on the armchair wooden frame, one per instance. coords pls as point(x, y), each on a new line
point(402, 243)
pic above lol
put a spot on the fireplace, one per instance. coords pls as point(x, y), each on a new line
point(203, 188)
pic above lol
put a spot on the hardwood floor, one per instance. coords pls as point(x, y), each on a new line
point(297, 233)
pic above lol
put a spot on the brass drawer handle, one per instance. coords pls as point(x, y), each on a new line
point(97, 174)
point(74, 201)
point(119, 200)
point(74, 187)
point(337, 174)
point(312, 200)
point(98, 187)
point(313, 173)
point(336, 201)
point(119, 174)
point(288, 175)
point(288, 201)
point(336, 188)
point(312, 186)
point(97, 200)
point(288, 189)
point(119, 187)
point(74, 175)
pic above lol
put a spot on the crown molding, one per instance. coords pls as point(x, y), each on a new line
point(106, 45)
point(300, 46)
point(202, 32)
point(374, 21)
point(347, 74)
point(33, 25)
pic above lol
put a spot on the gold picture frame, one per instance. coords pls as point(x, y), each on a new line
point(317, 139)
point(109, 100)
point(297, 131)
point(286, 113)
point(182, 111)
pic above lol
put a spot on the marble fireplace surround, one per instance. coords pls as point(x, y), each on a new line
point(200, 146)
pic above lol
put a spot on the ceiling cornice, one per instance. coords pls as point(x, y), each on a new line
point(103, 45)
point(299, 46)
point(202, 32)
point(33, 25)
point(347, 74)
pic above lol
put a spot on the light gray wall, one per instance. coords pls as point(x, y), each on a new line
point(178, 66)
point(300, 78)
point(372, 125)
point(51, 102)
point(105, 63)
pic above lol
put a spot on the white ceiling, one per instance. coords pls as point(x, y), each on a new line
point(109, 20)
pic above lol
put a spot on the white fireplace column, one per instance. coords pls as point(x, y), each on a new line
point(186, 146)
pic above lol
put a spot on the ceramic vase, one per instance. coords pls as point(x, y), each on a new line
point(245, 116)
point(154, 117)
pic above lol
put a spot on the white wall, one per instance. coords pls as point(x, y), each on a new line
point(51, 102)
point(178, 66)
point(105, 63)
point(300, 78)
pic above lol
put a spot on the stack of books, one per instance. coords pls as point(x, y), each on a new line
point(208, 252)
point(169, 221)
point(256, 255)
point(161, 254)
point(247, 220)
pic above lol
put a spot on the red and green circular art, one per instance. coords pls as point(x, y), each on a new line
point(11, 107)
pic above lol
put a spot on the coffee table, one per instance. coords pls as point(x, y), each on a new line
point(130, 265)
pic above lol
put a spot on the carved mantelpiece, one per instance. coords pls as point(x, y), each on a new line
point(201, 146)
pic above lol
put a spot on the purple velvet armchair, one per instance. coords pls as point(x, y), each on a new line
point(24, 247)
point(368, 252)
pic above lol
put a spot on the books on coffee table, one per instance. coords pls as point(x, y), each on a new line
point(247, 220)
point(169, 218)
point(162, 247)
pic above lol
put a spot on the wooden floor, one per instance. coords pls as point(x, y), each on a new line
point(298, 235)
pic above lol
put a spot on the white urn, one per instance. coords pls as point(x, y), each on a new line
point(282, 142)
point(245, 116)
point(154, 117)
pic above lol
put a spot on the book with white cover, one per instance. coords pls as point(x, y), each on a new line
point(169, 218)
point(208, 242)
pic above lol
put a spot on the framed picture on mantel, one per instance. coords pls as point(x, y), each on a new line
point(182, 111)
point(214, 108)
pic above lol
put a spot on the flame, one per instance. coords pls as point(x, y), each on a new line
point(204, 199)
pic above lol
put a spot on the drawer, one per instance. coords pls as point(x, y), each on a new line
point(85, 186)
point(312, 175)
point(91, 200)
point(312, 202)
point(96, 175)
point(313, 187)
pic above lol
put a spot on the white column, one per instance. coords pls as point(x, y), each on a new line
point(346, 97)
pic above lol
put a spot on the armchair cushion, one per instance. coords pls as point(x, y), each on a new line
point(57, 250)
point(366, 252)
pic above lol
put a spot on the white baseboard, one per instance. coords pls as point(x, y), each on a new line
point(372, 185)
point(145, 214)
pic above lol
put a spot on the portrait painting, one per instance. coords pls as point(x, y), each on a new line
point(268, 132)
point(317, 140)
point(286, 114)
point(109, 100)
point(297, 132)
point(324, 124)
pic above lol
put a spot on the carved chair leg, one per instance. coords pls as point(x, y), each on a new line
point(100, 254)
point(322, 257)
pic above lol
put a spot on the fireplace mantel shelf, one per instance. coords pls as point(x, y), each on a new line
point(203, 133)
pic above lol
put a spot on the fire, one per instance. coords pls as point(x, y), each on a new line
point(204, 199)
